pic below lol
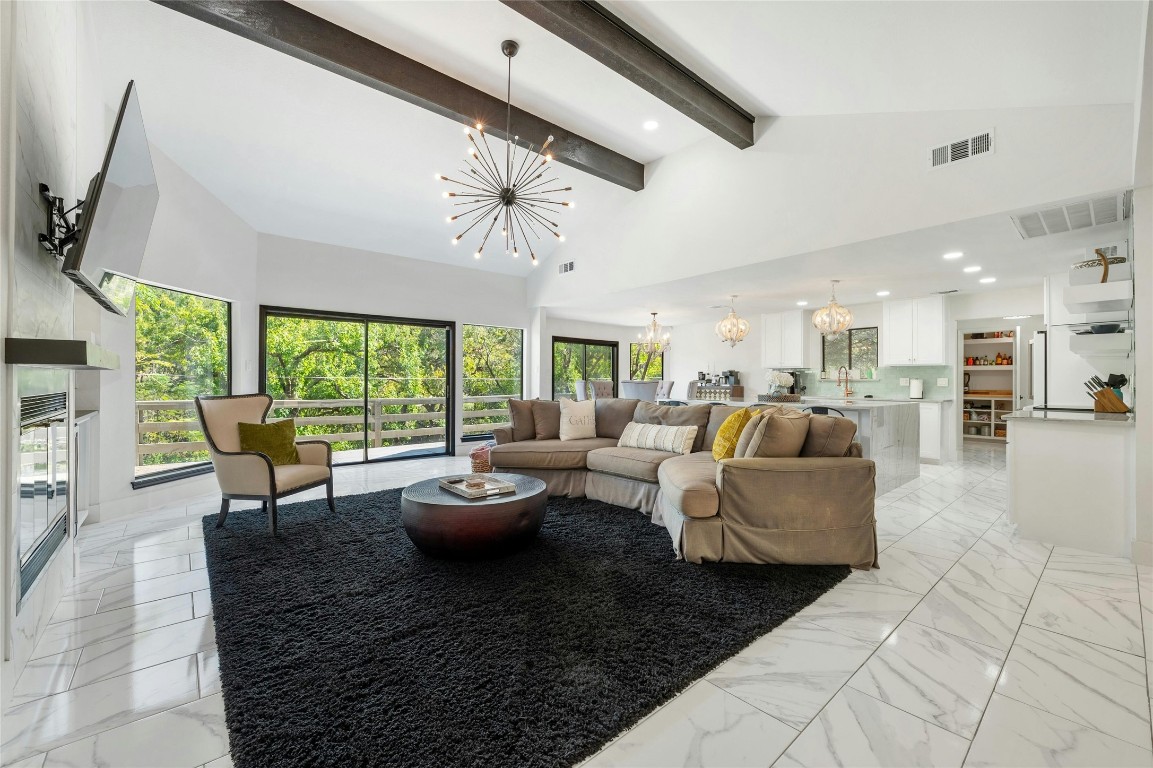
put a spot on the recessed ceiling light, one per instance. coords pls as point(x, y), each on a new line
point(1016, 317)
point(973, 268)
point(882, 293)
point(802, 303)
point(953, 255)
point(651, 125)
point(988, 279)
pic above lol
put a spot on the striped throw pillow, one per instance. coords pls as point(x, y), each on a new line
point(658, 437)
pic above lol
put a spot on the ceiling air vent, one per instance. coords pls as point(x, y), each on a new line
point(946, 293)
point(961, 149)
point(564, 267)
point(1070, 217)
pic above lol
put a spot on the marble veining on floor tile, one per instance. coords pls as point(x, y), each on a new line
point(793, 671)
point(905, 569)
point(972, 613)
point(1113, 623)
point(1013, 734)
point(703, 726)
point(863, 611)
point(937, 677)
point(1089, 684)
point(857, 730)
point(45, 676)
point(99, 627)
point(121, 655)
point(997, 572)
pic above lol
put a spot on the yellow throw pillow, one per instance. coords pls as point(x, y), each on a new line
point(725, 443)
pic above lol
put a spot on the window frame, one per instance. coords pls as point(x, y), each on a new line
point(196, 468)
point(849, 335)
point(485, 436)
point(320, 314)
point(614, 346)
point(660, 355)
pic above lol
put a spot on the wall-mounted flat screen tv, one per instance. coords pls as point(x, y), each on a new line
point(116, 215)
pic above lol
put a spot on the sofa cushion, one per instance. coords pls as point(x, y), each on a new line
point(577, 419)
point(633, 463)
point(780, 435)
point(676, 416)
point(613, 413)
point(520, 414)
point(546, 454)
point(689, 484)
point(658, 437)
point(717, 418)
point(546, 419)
point(724, 444)
point(751, 429)
point(829, 436)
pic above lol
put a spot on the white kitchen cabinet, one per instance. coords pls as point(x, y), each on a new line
point(913, 331)
point(785, 337)
point(930, 432)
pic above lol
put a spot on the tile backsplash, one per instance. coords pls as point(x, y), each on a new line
point(888, 382)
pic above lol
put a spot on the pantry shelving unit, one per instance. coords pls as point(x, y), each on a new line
point(990, 394)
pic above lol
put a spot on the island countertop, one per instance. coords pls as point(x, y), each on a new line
point(1077, 417)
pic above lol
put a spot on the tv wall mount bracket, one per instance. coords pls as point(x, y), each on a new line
point(59, 232)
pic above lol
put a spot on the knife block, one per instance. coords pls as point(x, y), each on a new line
point(1106, 401)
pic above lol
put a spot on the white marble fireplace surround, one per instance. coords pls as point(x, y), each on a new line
point(969, 646)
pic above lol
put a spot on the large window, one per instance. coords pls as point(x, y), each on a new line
point(581, 359)
point(493, 361)
point(645, 366)
point(183, 348)
point(374, 387)
point(855, 350)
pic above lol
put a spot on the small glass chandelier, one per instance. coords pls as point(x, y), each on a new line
point(733, 328)
point(515, 192)
point(832, 320)
point(654, 339)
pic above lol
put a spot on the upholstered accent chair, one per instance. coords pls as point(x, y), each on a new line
point(664, 389)
point(640, 390)
point(601, 388)
point(251, 475)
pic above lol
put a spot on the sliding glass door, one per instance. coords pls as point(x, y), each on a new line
point(581, 360)
point(375, 388)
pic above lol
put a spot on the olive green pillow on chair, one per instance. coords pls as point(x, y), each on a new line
point(276, 440)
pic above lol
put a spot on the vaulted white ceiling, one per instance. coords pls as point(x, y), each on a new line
point(300, 152)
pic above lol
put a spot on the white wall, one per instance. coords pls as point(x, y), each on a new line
point(696, 347)
point(807, 185)
point(38, 100)
point(1143, 369)
point(198, 245)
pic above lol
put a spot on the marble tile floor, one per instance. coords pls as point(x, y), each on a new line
point(970, 646)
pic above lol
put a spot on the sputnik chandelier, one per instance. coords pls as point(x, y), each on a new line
point(514, 192)
point(832, 320)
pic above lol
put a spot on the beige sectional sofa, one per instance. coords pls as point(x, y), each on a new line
point(815, 508)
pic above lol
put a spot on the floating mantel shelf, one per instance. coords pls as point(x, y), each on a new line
point(60, 353)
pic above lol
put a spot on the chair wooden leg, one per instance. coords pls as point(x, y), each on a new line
point(264, 507)
point(331, 500)
point(272, 515)
point(223, 513)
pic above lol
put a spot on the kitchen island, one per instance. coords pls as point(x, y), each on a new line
point(888, 431)
point(1090, 502)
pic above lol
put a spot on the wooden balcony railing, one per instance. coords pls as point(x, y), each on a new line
point(384, 428)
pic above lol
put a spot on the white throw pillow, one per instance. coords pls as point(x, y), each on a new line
point(578, 419)
point(658, 437)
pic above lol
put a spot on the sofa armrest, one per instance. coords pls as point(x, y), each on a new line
point(502, 435)
point(797, 494)
point(315, 452)
point(244, 473)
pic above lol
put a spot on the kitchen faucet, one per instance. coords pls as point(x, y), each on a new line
point(848, 390)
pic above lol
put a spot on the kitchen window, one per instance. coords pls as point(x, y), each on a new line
point(856, 349)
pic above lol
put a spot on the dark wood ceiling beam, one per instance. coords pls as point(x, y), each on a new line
point(286, 28)
point(591, 28)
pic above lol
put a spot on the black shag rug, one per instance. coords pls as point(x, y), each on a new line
point(341, 644)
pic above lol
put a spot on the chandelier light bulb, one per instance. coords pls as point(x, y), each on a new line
point(455, 240)
point(476, 255)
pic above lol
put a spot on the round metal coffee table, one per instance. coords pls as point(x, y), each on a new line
point(444, 524)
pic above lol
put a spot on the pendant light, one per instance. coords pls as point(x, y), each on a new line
point(654, 339)
point(733, 328)
point(832, 320)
